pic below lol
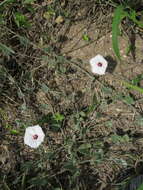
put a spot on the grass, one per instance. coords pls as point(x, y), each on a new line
point(93, 125)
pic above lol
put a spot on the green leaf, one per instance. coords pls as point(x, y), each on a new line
point(107, 90)
point(139, 121)
point(60, 59)
point(58, 117)
point(98, 155)
point(115, 138)
point(70, 166)
point(119, 14)
point(49, 14)
point(120, 139)
point(45, 58)
point(21, 20)
point(45, 88)
point(14, 132)
point(129, 100)
point(28, 1)
point(23, 40)
point(48, 49)
point(140, 187)
point(84, 148)
point(136, 80)
point(134, 87)
point(133, 17)
point(6, 50)
point(6, 2)
point(86, 37)
point(108, 124)
point(55, 127)
point(44, 106)
point(121, 161)
point(125, 138)
point(39, 182)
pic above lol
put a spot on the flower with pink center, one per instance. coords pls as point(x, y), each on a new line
point(34, 136)
point(98, 65)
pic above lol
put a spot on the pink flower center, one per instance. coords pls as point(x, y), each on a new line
point(35, 137)
point(99, 64)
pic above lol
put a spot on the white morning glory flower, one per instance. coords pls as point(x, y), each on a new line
point(34, 136)
point(98, 65)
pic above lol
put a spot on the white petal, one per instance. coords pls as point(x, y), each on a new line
point(28, 137)
point(94, 65)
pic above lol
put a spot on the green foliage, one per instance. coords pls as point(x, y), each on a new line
point(45, 88)
point(85, 37)
point(29, 1)
point(139, 120)
point(108, 124)
point(128, 100)
point(23, 40)
point(137, 79)
point(21, 20)
point(6, 2)
point(134, 87)
point(39, 182)
point(14, 132)
point(54, 120)
point(133, 16)
point(140, 187)
point(49, 13)
point(120, 139)
point(121, 12)
point(76, 134)
point(107, 90)
point(70, 166)
point(58, 117)
point(119, 15)
point(84, 148)
point(6, 50)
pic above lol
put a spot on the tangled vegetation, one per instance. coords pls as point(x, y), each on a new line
point(92, 124)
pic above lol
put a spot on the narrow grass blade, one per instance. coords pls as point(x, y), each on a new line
point(6, 50)
point(6, 1)
point(23, 181)
point(119, 14)
point(134, 87)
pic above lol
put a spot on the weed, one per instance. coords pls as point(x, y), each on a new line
point(92, 124)
point(122, 12)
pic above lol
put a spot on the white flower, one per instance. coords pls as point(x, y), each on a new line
point(34, 136)
point(98, 65)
